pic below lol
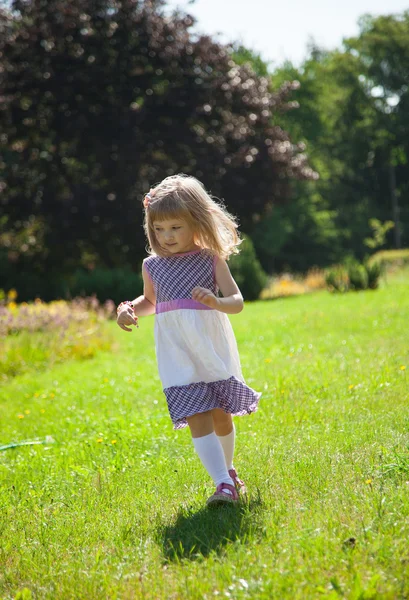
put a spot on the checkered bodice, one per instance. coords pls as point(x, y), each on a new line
point(174, 277)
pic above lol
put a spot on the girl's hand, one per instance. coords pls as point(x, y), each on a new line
point(205, 296)
point(126, 317)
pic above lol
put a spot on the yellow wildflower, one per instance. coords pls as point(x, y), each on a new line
point(402, 368)
point(113, 442)
point(99, 440)
point(20, 416)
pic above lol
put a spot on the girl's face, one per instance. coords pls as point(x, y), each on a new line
point(174, 235)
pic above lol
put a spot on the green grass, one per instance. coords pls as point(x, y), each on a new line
point(37, 351)
point(37, 336)
point(326, 460)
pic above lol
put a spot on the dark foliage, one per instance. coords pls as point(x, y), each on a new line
point(247, 271)
point(101, 99)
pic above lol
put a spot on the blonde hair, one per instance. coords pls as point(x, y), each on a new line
point(184, 197)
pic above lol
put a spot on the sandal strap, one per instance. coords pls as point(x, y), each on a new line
point(226, 486)
point(234, 476)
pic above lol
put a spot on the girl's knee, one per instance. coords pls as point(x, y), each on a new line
point(220, 416)
point(223, 422)
point(200, 424)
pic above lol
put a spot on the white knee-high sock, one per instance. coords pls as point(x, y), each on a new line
point(227, 442)
point(211, 454)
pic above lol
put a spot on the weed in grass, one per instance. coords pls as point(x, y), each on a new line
point(397, 465)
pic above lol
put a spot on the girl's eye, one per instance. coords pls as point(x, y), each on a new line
point(175, 227)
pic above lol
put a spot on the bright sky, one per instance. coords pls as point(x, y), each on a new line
point(282, 30)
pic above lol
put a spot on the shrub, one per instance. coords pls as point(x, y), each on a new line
point(374, 271)
point(337, 279)
point(105, 284)
point(247, 271)
point(357, 276)
point(353, 276)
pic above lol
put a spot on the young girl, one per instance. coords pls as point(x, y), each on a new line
point(190, 236)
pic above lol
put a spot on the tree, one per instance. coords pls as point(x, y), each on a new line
point(383, 49)
point(101, 99)
point(353, 118)
point(299, 233)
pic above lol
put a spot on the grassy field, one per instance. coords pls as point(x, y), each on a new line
point(113, 507)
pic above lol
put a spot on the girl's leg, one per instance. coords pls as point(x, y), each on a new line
point(208, 447)
point(223, 422)
point(226, 432)
point(200, 424)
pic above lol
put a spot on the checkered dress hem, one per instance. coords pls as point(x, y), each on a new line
point(231, 395)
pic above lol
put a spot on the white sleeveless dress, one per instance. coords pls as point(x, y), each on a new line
point(196, 350)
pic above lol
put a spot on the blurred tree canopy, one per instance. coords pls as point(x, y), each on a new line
point(103, 98)
point(354, 116)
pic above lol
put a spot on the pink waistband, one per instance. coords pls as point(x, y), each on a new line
point(180, 303)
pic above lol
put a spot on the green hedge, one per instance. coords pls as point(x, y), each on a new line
point(247, 271)
point(107, 284)
point(121, 283)
point(391, 258)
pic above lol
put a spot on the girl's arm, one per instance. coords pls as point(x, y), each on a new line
point(232, 301)
point(145, 305)
point(142, 306)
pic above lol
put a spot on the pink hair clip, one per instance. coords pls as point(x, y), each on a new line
point(147, 200)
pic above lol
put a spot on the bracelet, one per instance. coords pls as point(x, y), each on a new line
point(127, 303)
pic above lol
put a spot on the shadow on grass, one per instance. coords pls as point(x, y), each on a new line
point(194, 535)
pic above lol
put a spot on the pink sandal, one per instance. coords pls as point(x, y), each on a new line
point(221, 496)
point(238, 483)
